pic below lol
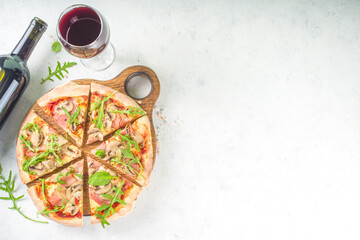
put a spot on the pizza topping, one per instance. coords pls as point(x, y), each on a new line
point(50, 163)
point(99, 107)
point(36, 138)
point(71, 208)
point(37, 168)
point(94, 134)
point(108, 209)
point(67, 105)
point(68, 151)
point(113, 150)
point(100, 178)
point(102, 189)
point(73, 190)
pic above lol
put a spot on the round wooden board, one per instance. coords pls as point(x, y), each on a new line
point(118, 83)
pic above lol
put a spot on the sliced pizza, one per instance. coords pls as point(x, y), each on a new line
point(40, 149)
point(67, 106)
point(109, 111)
point(130, 150)
point(111, 195)
point(60, 197)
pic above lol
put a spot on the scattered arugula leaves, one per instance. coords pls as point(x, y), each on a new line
point(43, 187)
point(101, 114)
point(100, 178)
point(26, 143)
point(126, 153)
point(47, 210)
point(58, 71)
point(74, 173)
point(74, 118)
point(8, 186)
point(56, 47)
point(32, 127)
point(42, 156)
point(127, 138)
point(100, 153)
point(107, 208)
point(132, 111)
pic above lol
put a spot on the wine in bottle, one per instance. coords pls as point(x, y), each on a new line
point(14, 74)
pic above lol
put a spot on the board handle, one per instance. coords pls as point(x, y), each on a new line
point(127, 74)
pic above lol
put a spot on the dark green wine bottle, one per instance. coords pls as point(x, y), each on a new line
point(14, 74)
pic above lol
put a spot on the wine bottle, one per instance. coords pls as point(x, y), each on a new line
point(14, 74)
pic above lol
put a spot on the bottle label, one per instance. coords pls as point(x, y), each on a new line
point(9, 92)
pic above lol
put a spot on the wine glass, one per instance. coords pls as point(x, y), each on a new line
point(84, 33)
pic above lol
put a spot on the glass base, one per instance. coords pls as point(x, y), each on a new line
point(100, 61)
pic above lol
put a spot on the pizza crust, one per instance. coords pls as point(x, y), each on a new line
point(149, 156)
point(19, 148)
point(69, 89)
point(120, 97)
point(130, 200)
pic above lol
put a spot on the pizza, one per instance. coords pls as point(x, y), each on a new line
point(109, 111)
point(111, 195)
point(56, 170)
point(40, 149)
point(130, 150)
point(60, 197)
point(67, 106)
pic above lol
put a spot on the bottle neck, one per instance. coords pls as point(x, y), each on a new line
point(30, 38)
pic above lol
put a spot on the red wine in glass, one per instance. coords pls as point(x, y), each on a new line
point(84, 33)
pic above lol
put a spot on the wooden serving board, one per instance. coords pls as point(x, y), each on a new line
point(118, 83)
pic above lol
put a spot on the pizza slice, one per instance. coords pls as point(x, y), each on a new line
point(40, 149)
point(67, 106)
point(111, 195)
point(130, 150)
point(109, 111)
point(60, 197)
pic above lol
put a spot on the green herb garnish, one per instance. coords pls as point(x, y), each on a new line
point(56, 47)
point(133, 160)
point(74, 118)
point(101, 114)
point(26, 143)
point(108, 207)
point(100, 153)
point(127, 138)
point(43, 187)
point(132, 111)
point(100, 178)
point(58, 71)
point(32, 127)
point(42, 156)
point(8, 186)
point(47, 210)
point(74, 173)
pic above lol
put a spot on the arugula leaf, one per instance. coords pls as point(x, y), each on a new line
point(100, 178)
point(52, 149)
point(36, 159)
point(72, 172)
point(127, 138)
point(8, 186)
point(46, 211)
point(58, 71)
point(56, 47)
point(43, 187)
point(100, 153)
point(101, 114)
point(26, 143)
point(74, 118)
point(32, 127)
point(132, 111)
point(133, 160)
point(107, 208)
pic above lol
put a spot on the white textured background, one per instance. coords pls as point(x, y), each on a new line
point(261, 106)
